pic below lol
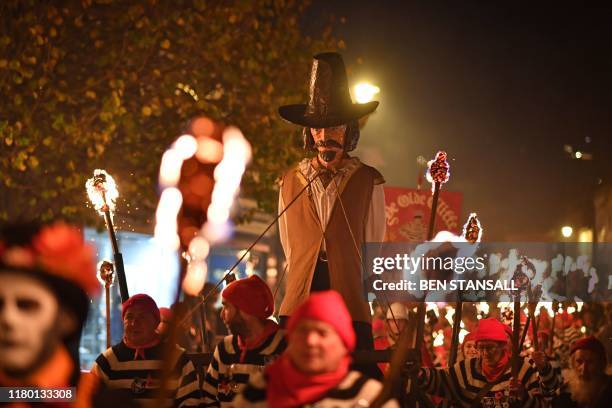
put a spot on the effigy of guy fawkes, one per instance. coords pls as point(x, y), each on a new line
point(47, 278)
point(323, 231)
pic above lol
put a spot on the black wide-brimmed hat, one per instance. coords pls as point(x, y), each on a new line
point(330, 102)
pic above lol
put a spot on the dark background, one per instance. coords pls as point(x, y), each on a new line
point(501, 88)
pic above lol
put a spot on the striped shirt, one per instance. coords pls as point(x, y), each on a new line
point(120, 369)
point(355, 390)
point(564, 343)
point(227, 375)
point(464, 381)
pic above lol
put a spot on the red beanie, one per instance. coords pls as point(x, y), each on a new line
point(491, 329)
point(327, 307)
point(141, 300)
point(589, 343)
point(251, 296)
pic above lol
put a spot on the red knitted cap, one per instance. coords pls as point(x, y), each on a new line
point(589, 343)
point(142, 300)
point(328, 307)
point(491, 329)
point(251, 296)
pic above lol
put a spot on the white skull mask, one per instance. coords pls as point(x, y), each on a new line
point(28, 315)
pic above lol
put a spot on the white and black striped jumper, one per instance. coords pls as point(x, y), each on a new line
point(227, 375)
point(355, 390)
point(120, 368)
point(564, 343)
point(463, 382)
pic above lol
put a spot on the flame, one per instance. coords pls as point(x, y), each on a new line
point(195, 278)
point(439, 339)
point(450, 312)
point(472, 230)
point(102, 191)
point(234, 155)
point(462, 334)
point(438, 170)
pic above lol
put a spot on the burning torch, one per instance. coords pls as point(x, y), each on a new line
point(438, 173)
point(102, 192)
point(472, 232)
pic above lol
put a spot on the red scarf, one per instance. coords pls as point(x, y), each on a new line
point(270, 327)
point(492, 372)
point(139, 351)
point(288, 387)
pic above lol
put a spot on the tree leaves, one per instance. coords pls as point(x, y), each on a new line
point(95, 84)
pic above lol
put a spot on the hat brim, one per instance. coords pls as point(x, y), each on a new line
point(297, 114)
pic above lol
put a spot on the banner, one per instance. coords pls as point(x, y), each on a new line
point(407, 211)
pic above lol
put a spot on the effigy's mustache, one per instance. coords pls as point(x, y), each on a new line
point(328, 144)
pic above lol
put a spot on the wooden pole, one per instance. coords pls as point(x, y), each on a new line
point(108, 315)
point(456, 329)
point(516, 330)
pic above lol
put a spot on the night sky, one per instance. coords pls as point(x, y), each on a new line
point(501, 89)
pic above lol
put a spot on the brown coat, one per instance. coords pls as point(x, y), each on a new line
point(305, 236)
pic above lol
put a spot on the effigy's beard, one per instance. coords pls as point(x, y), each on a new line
point(328, 155)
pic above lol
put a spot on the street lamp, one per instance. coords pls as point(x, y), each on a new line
point(567, 231)
point(364, 92)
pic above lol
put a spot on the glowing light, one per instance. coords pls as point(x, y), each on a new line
point(185, 146)
point(482, 307)
point(170, 168)
point(579, 306)
point(209, 150)
point(102, 191)
point(364, 92)
point(439, 339)
point(567, 231)
point(434, 307)
point(585, 235)
point(195, 278)
point(165, 218)
point(450, 312)
point(571, 310)
point(198, 248)
point(232, 158)
point(462, 335)
point(578, 155)
point(583, 330)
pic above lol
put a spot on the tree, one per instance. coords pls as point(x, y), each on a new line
point(108, 84)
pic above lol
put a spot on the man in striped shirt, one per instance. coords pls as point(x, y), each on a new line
point(487, 380)
point(254, 342)
point(314, 370)
point(136, 364)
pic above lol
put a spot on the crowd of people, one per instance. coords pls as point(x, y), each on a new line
point(310, 352)
point(47, 277)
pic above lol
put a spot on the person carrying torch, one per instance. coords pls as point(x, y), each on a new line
point(487, 380)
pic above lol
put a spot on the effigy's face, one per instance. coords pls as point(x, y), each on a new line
point(329, 143)
point(28, 315)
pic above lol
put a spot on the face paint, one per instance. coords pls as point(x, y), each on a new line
point(28, 314)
